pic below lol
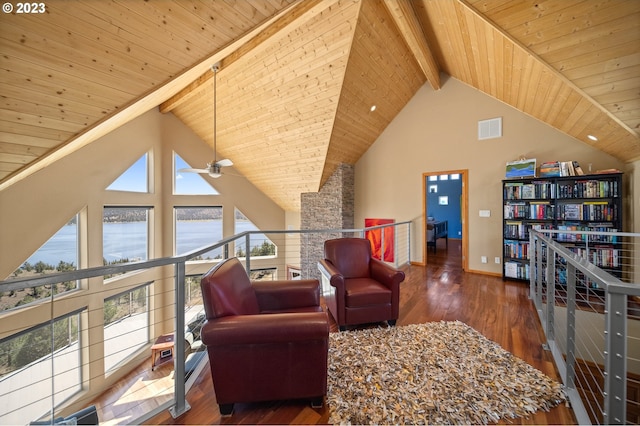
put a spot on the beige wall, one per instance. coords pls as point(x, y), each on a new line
point(437, 131)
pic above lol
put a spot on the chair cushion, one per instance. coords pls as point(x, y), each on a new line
point(226, 290)
point(350, 256)
point(365, 292)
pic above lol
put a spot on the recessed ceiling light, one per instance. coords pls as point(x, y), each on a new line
point(373, 108)
point(593, 138)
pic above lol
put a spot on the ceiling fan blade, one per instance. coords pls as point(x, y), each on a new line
point(188, 170)
point(224, 163)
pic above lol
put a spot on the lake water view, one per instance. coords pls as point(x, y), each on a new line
point(128, 240)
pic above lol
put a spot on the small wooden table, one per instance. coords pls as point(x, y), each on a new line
point(163, 343)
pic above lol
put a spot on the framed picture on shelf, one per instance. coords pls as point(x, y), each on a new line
point(521, 168)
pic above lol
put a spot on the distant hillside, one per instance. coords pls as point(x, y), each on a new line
point(128, 214)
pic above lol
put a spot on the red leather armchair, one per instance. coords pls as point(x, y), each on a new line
point(266, 340)
point(357, 288)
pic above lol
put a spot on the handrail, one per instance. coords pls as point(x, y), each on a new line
point(96, 271)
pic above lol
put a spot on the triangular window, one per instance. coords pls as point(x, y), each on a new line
point(134, 179)
point(189, 183)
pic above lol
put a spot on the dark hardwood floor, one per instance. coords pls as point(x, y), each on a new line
point(498, 309)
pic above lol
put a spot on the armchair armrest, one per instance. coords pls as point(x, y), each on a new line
point(385, 274)
point(336, 279)
point(281, 295)
point(263, 329)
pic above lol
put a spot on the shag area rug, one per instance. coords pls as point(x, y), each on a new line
point(440, 372)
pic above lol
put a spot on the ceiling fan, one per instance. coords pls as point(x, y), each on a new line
point(214, 167)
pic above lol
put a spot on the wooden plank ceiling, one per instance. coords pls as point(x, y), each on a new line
point(298, 78)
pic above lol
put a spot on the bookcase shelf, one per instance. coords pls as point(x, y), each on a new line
point(571, 203)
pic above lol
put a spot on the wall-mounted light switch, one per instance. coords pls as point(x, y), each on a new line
point(485, 213)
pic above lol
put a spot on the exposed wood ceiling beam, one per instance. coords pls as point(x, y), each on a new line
point(300, 13)
point(405, 18)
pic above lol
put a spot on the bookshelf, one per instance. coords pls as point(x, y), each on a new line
point(572, 203)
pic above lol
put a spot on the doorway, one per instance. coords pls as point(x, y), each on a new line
point(445, 214)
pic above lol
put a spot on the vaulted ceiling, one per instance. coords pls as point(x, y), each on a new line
point(298, 79)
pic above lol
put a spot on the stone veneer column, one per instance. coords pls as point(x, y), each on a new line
point(330, 208)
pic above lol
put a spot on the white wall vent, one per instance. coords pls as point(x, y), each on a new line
point(489, 129)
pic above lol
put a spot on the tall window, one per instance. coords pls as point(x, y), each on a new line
point(125, 234)
point(126, 325)
point(34, 361)
point(58, 254)
point(198, 227)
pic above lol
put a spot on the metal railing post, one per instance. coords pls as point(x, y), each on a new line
point(615, 363)
point(180, 398)
point(247, 264)
point(571, 327)
point(533, 276)
point(551, 294)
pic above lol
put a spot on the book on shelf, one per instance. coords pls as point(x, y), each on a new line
point(540, 210)
point(571, 212)
point(588, 188)
point(550, 169)
point(528, 191)
point(516, 270)
point(578, 169)
point(516, 249)
point(561, 168)
point(589, 210)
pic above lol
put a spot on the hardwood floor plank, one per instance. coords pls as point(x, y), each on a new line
point(441, 291)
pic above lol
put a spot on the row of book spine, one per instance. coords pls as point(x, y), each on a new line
point(520, 230)
point(588, 189)
point(597, 211)
point(539, 211)
point(605, 233)
point(561, 278)
point(605, 257)
point(529, 191)
point(516, 249)
point(547, 190)
point(516, 270)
